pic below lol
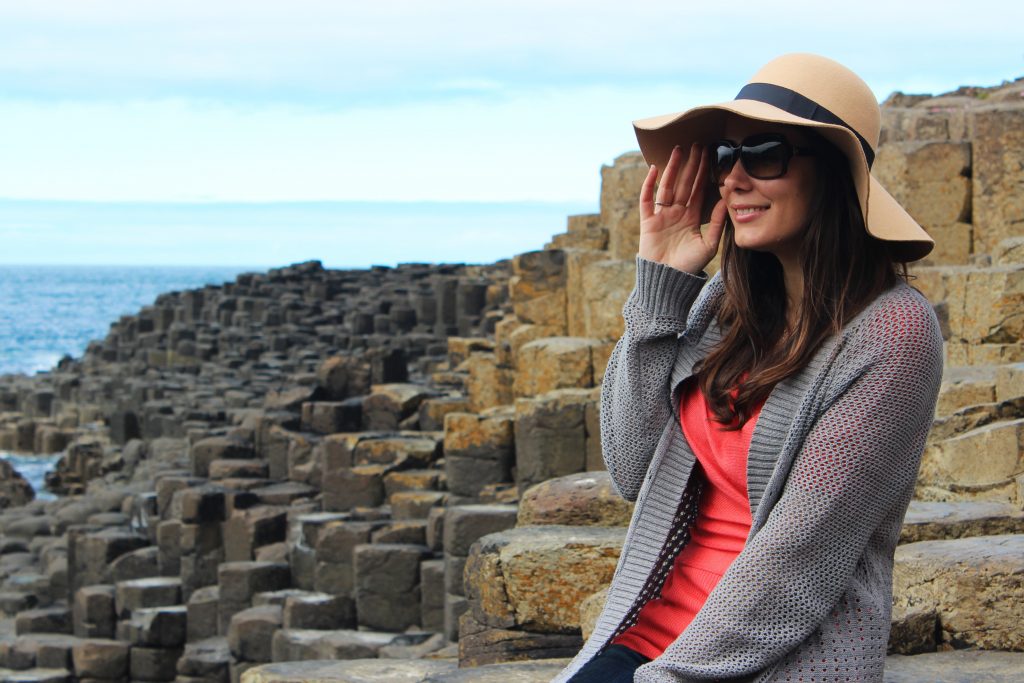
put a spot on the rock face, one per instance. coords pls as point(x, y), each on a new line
point(369, 466)
point(585, 499)
point(974, 584)
point(14, 490)
point(532, 580)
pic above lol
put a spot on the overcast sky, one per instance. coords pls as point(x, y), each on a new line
point(223, 100)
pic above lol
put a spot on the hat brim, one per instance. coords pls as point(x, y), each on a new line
point(883, 216)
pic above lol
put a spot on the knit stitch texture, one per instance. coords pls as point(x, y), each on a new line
point(830, 472)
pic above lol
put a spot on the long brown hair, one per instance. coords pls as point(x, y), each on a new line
point(844, 269)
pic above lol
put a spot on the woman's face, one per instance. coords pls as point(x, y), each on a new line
point(769, 215)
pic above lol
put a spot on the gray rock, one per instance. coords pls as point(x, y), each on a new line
point(104, 659)
point(352, 671)
point(514, 672)
point(958, 666)
point(387, 585)
point(251, 633)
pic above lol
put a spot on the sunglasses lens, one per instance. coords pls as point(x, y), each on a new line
point(723, 156)
point(765, 159)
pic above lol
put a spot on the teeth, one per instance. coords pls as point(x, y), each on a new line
point(747, 212)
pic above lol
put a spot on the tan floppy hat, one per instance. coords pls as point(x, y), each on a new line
point(803, 90)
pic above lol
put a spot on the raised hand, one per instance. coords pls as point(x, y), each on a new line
point(670, 230)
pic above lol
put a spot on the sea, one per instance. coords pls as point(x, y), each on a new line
point(47, 312)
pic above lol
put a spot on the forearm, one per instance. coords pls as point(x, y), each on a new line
point(635, 398)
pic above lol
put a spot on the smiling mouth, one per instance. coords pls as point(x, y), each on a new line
point(748, 211)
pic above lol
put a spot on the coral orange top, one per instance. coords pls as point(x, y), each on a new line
point(716, 537)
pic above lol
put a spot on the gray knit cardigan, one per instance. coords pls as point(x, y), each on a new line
point(831, 469)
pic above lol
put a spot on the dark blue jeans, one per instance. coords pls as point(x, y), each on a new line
point(615, 665)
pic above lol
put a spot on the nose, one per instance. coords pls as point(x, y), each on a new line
point(736, 178)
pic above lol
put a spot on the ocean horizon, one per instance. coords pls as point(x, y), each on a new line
point(340, 234)
point(69, 269)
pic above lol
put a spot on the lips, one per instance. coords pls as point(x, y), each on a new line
point(749, 210)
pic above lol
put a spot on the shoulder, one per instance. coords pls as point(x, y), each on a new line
point(898, 323)
point(901, 312)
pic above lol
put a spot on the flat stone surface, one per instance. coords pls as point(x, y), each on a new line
point(928, 521)
point(351, 671)
point(582, 499)
point(536, 577)
point(958, 666)
point(976, 585)
point(35, 676)
point(541, 671)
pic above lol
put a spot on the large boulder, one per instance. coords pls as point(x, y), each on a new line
point(536, 577)
point(583, 499)
point(974, 584)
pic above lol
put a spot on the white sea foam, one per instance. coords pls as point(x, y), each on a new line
point(34, 468)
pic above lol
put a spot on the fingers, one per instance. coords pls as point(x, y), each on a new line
point(713, 234)
point(677, 185)
point(647, 193)
point(684, 188)
point(667, 186)
point(696, 196)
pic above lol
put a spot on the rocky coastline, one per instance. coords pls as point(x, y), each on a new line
point(394, 474)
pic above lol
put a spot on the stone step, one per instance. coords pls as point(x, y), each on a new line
point(292, 645)
point(958, 666)
point(36, 676)
point(982, 305)
point(524, 588)
point(986, 463)
point(540, 671)
point(932, 521)
point(973, 584)
point(966, 386)
point(351, 671)
point(397, 671)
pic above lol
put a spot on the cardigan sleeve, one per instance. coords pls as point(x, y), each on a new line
point(635, 394)
point(853, 475)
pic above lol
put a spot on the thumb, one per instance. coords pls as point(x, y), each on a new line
point(716, 225)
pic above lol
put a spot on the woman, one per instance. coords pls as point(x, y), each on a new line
point(769, 422)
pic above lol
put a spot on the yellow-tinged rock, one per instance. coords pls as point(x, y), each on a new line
point(349, 671)
point(605, 287)
point(554, 363)
point(998, 175)
point(974, 584)
point(932, 180)
point(987, 455)
point(1010, 382)
point(473, 434)
point(547, 309)
point(577, 261)
point(523, 334)
point(984, 305)
point(459, 348)
point(620, 193)
point(544, 572)
point(590, 610)
point(489, 383)
point(966, 386)
point(584, 499)
point(954, 243)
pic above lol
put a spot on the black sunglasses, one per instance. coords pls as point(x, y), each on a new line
point(765, 156)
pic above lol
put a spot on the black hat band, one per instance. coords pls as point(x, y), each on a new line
point(793, 102)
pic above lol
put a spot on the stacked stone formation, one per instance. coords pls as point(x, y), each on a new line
point(366, 465)
point(221, 466)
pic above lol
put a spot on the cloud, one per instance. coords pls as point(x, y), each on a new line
point(394, 51)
